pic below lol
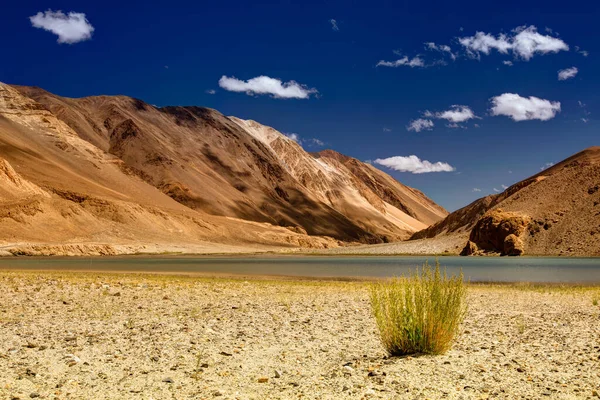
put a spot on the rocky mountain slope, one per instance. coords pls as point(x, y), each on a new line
point(112, 169)
point(555, 212)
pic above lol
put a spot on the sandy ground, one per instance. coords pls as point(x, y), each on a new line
point(102, 336)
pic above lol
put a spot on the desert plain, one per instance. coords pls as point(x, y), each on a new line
point(69, 335)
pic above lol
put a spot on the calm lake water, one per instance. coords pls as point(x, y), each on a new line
point(476, 269)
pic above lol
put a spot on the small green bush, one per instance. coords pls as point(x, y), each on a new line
point(420, 313)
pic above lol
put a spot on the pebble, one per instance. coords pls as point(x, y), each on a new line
point(34, 395)
point(217, 393)
point(263, 380)
point(168, 380)
point(278, 373)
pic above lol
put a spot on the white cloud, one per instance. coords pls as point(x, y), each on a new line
point(312, 142)
point(455, 114)
point(567, 73)
point(266, 85)
point(524, 42)
point(294, 136)
point(522, 108)
point(476, 190)
point(211, 91)
point(404, 61)
point(334, 25)
point(386, 129)
point(485, 42)
point(70, 28)
point(504, 187)
point(414, 165)
point(584, 53)
point(496, 190)
point(442, 48)
point(546, 166)
point(509, 63)
point(420, 124)
point(585, 120)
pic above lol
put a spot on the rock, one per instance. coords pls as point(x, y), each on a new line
point(168, 380)
point(217, 393)
point(34, 395)
point(513, 245)
point(278, 374)
point(226, 354)
point(490, 232)
point(370, 392)
point(470, 249)
point(263, 380)
point(72, 359)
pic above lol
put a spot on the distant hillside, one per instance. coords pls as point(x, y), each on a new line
point(555, 212)
point(113, 169)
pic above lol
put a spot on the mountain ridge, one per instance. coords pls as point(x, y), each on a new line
point(206, 163)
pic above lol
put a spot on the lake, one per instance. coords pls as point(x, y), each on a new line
point(475, 269)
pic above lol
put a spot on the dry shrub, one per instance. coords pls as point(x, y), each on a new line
point(420, 313)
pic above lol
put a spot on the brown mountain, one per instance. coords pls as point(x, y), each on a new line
point(113, 169)
point(555, 212)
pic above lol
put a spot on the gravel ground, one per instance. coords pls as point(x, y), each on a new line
point(445, 244)
point(103, 336)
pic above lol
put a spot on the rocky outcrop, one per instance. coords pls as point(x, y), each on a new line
point(513, 245)
point(498, 232)
point(470, 249)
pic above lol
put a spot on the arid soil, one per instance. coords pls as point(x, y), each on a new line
point(100, 336)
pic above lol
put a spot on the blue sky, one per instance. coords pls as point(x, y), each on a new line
point(177, 54)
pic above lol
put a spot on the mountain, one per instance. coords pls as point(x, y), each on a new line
point(555, 212)
point(113, 169)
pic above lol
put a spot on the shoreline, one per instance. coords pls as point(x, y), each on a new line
point(223, 276)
